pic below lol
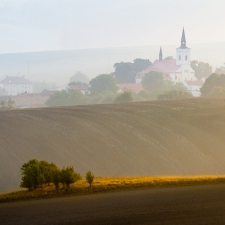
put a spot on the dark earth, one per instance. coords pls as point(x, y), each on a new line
point(177, 205)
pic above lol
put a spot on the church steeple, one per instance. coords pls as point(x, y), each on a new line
point(183, 40)
point(160, 54)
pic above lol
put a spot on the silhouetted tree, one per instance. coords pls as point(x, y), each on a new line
point(125, 72)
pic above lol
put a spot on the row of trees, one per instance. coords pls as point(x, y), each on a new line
point(104, 91)
point(37, 173)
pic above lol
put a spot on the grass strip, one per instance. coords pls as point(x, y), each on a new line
point(110, 184)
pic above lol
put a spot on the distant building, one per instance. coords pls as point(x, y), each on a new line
point(83, 88)
point(130, 87)
point(16, 85)
point(177, 70)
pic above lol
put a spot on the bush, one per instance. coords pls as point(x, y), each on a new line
point(69, 176)
point(175, 94)
point(89, 177)
point(126, 96)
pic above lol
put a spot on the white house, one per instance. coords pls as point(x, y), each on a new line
point(177, 70)
point(16, 85)
point(194, 86)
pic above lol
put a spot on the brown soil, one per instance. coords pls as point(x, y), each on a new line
point(183, 137)
point(184, 205)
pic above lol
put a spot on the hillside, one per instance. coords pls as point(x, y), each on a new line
point(183, 137)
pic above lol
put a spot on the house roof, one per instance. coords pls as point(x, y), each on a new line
point(15, 80)
point(194, 82)
point(164, 66)
point(132, 87)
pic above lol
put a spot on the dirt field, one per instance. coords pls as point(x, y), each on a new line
point(184, 205)
point(184, 137)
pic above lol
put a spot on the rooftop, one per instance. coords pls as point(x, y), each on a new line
point(15, 80)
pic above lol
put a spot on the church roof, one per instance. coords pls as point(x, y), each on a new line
point(15, 80)
point(164, 66)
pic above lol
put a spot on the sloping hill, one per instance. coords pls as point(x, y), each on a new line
point(184, 137)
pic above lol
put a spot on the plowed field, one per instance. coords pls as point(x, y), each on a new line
point(183, 137)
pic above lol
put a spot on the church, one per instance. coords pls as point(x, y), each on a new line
point(177, 70)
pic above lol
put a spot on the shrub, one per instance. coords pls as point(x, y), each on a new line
point(89, 177)
point(124, 97)
point(69, 176)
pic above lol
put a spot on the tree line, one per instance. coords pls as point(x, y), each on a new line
point(36, 173)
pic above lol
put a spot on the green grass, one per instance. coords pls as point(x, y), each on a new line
point(110, 184)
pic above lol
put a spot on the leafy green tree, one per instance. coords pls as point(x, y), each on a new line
point(89, 177)
point(202, 70)
point(10, 104)
point(125, 72)
point(214, 80)
point(175, 94)
point(56, 177)
point(31, 175)
point(79, 77)
point(124, 97)
point(69, 176)
point(103, 83)
point(66, 98)
point(153, 80)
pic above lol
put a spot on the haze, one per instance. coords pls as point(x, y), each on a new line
point(37, 25)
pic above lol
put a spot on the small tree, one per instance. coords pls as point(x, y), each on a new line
point(126, 96)
point(31, 175)
point(89, 177)
point(56, 177)
point(69, 176)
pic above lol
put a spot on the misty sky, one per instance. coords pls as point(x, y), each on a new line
point(40, 25)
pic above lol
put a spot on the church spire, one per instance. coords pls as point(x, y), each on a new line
point(160, 54)
point(183, 40)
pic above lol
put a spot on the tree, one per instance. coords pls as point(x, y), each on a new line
point(66, 98)
point(124, 97)
point(31, 175)
point(10, 104)
point(153, 80)
point(103, 83)
point(79, 77)
point(125, 72)
point(56, 177)
point(89, 177)
point(202, 70)
point(217, 91)
point(175, 94)
point(214, 80)
point(69, 176)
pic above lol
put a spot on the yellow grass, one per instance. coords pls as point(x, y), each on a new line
point(111, 184)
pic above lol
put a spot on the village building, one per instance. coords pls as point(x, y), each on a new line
point(130, 87)
point(83, 88)
point(177, 70)
point(16, 85)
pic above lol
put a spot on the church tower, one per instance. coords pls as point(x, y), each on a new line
point(160, 54)
point(183, 52)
